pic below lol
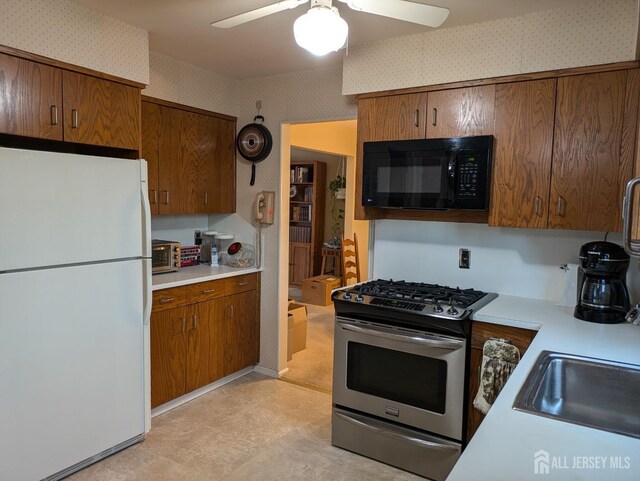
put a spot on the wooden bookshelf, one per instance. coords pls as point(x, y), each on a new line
point(306, 219)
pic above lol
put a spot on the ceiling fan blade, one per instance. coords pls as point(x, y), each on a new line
point(402, 10)
point(257, 13)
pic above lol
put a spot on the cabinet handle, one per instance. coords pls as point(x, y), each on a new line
point(240, 284)
point(561, 205)
point(54, 115)
point(208, 291)
point(206, 198)
point(231, 310)
point(416, 119)
point(74, 119)
point(166, 196)
point(153, 199)
point(538, 205)
point(434, 122)
point(166, 300)
point(194, 321)
point(184, 324)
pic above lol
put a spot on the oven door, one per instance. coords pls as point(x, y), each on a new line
point(161, 258)
point(411, 377)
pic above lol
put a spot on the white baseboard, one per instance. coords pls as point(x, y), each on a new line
point(199, 392)
point(270, 372)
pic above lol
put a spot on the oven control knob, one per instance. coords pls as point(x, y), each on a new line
point(359, 298)
point(437, 308)
point(452, 310)
point(347, 295)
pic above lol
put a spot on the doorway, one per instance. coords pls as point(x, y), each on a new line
point(330, 148)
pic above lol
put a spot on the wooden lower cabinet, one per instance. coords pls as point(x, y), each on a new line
point(168, 355)
point(206, 339)
point(241, 331)
point(480, 333)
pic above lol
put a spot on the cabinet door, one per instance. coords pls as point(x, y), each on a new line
point(461, 112)
point(100, 112)
point(300, 258)
point(178, 188)
point(242, 332)
point(224, 175)
point(397, 117)
point(30, 99)
point(168, 355)
point(216, 165)
point(588, 175)
point(151, 142)
point(199, 320)
point(524, 114)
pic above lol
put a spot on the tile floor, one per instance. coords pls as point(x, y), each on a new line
point(255, 428)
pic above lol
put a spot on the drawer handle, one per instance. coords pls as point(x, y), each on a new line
point(54, 115)
point(434, 121)
point(208, 291)
point(240, 284)
point(74, 119)
point(166, 300)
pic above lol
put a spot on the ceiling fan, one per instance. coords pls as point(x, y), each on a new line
point(321, 30)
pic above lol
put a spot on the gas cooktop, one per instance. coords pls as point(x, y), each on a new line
point(413, 303)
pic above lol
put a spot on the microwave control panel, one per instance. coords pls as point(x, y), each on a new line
point(468, 176)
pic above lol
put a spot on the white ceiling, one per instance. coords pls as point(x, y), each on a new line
point(181, 29)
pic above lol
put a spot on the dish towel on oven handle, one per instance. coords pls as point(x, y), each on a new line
point(499, 359)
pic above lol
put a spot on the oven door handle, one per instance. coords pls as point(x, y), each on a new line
point(451, 345)
point(403, 437)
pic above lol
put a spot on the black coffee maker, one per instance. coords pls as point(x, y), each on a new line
point(603, 296)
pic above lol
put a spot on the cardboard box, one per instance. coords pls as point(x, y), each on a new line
point(297, 332)
point(317, 290)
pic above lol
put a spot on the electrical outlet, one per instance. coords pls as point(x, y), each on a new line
point(464, 259)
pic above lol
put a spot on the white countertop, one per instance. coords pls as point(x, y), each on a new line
point(504, 446)
point(194, 274)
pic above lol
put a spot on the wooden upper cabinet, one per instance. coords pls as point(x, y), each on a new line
point(179, 163)
point(461, 112)
point(224, 178)
point(30, 99)
point(524, 116)
point(398, 117)
point(100, 112)
point(591, 163)
point(194, 152)
point(151, 142)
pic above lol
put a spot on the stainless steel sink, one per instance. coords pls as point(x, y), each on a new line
point(582, 390)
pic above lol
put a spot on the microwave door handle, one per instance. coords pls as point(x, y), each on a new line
point(392, 434)
point(451, 177)
point(450, 345)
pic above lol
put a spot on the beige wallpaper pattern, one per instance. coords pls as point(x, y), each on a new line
point(297, 97)
point(597, 32)
point(66, 31)
point(177, 81)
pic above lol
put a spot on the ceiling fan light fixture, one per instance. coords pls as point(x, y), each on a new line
point(321, 30)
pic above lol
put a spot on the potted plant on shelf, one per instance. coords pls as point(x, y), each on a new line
point(336, 188)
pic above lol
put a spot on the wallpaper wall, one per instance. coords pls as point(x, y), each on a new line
point(596, 32)
point(177, 81)
point(298, 97)
point(66, 31)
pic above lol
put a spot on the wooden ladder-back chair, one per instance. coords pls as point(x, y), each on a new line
point(350, 260)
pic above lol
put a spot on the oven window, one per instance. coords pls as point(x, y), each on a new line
point(160, 257)
point(406, 378)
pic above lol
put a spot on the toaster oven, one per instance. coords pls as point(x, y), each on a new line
point(165, 256)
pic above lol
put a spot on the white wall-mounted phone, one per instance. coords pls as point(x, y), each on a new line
point(264, 207)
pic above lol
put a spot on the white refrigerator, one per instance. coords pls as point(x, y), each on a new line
point(75, 300)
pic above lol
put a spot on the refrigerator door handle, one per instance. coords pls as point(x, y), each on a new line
point(146, 211)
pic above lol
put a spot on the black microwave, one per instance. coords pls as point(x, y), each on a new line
point(452, 173)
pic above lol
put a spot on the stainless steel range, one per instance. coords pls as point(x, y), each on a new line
point(400, 360)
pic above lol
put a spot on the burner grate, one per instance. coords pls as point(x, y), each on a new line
point(420, 292)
